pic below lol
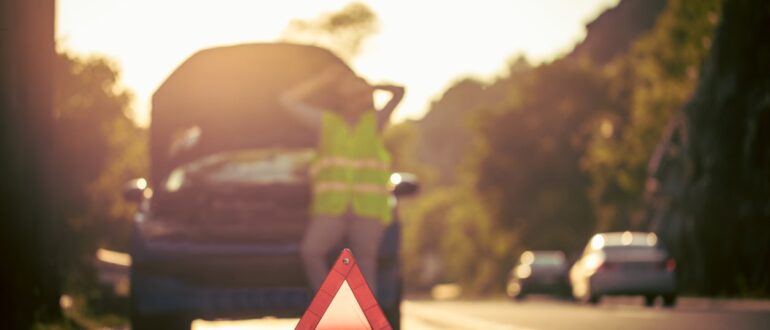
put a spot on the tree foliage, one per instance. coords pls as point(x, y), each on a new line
point(562, 150)
point(449, 236)
point(711, 180)
point(343, 31)
point(97, 148)
point(529, 174)
point(449, 116)
point(649, 85)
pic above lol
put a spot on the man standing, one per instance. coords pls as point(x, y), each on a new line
point(350, 173)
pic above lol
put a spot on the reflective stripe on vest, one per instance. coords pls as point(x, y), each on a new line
point(358, 187)
point(351, 170)
point(337, 161)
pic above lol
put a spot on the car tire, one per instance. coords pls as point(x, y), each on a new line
point(649, 300)
point(160, 322)
point(669, 301)
point(566, 294)
point(591, 297)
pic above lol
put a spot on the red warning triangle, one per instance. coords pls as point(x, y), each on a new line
point(344, 301)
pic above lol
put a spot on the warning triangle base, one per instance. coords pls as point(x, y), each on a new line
point(344, 301)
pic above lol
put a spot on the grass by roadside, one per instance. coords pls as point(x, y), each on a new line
point(78, 315)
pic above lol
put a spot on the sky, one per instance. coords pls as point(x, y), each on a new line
point(425, 45)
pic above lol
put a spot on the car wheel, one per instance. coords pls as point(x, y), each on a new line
point(566, 294)
point(589, 296)
point(141, 322)
point(158, 322)
point(649, 300)
point(669, 300)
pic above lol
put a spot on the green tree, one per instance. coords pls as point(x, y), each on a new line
point(449, 236)
point(98, 148)
point(711, 175)
point(343, 31)
point(529, 172)
point(445, 134)
point(532, 160)
point(649, 85)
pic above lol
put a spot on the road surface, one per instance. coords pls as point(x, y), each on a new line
point(540, 313)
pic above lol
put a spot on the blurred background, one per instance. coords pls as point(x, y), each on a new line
point(531, 125)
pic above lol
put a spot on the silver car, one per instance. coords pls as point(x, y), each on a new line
point(624, 263)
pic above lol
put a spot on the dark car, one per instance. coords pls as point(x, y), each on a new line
point(218, 234)
point(538, 272)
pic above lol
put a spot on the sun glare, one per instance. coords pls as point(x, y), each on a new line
point(423, 45)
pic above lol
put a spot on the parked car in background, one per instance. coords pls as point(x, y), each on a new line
point(538, 272)
point(624, 263)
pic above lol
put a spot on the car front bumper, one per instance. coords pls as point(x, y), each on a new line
point(157, 295)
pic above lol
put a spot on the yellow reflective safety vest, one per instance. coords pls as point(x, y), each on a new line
point(351, 170)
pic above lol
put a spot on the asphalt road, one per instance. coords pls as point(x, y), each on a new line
point(545, 313)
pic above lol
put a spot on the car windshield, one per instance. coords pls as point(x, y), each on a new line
point(548, 260)
point(244, 167)
point(542, 258)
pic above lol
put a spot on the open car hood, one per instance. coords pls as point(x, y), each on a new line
point(226, 98)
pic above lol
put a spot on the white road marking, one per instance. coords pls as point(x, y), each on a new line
point(265, 323)
point(447, 320)
point(637, 315)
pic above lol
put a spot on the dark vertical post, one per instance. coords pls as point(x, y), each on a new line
point(30, 280)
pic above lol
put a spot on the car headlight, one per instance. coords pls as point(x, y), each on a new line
point(113, 257)
point(523, 271)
